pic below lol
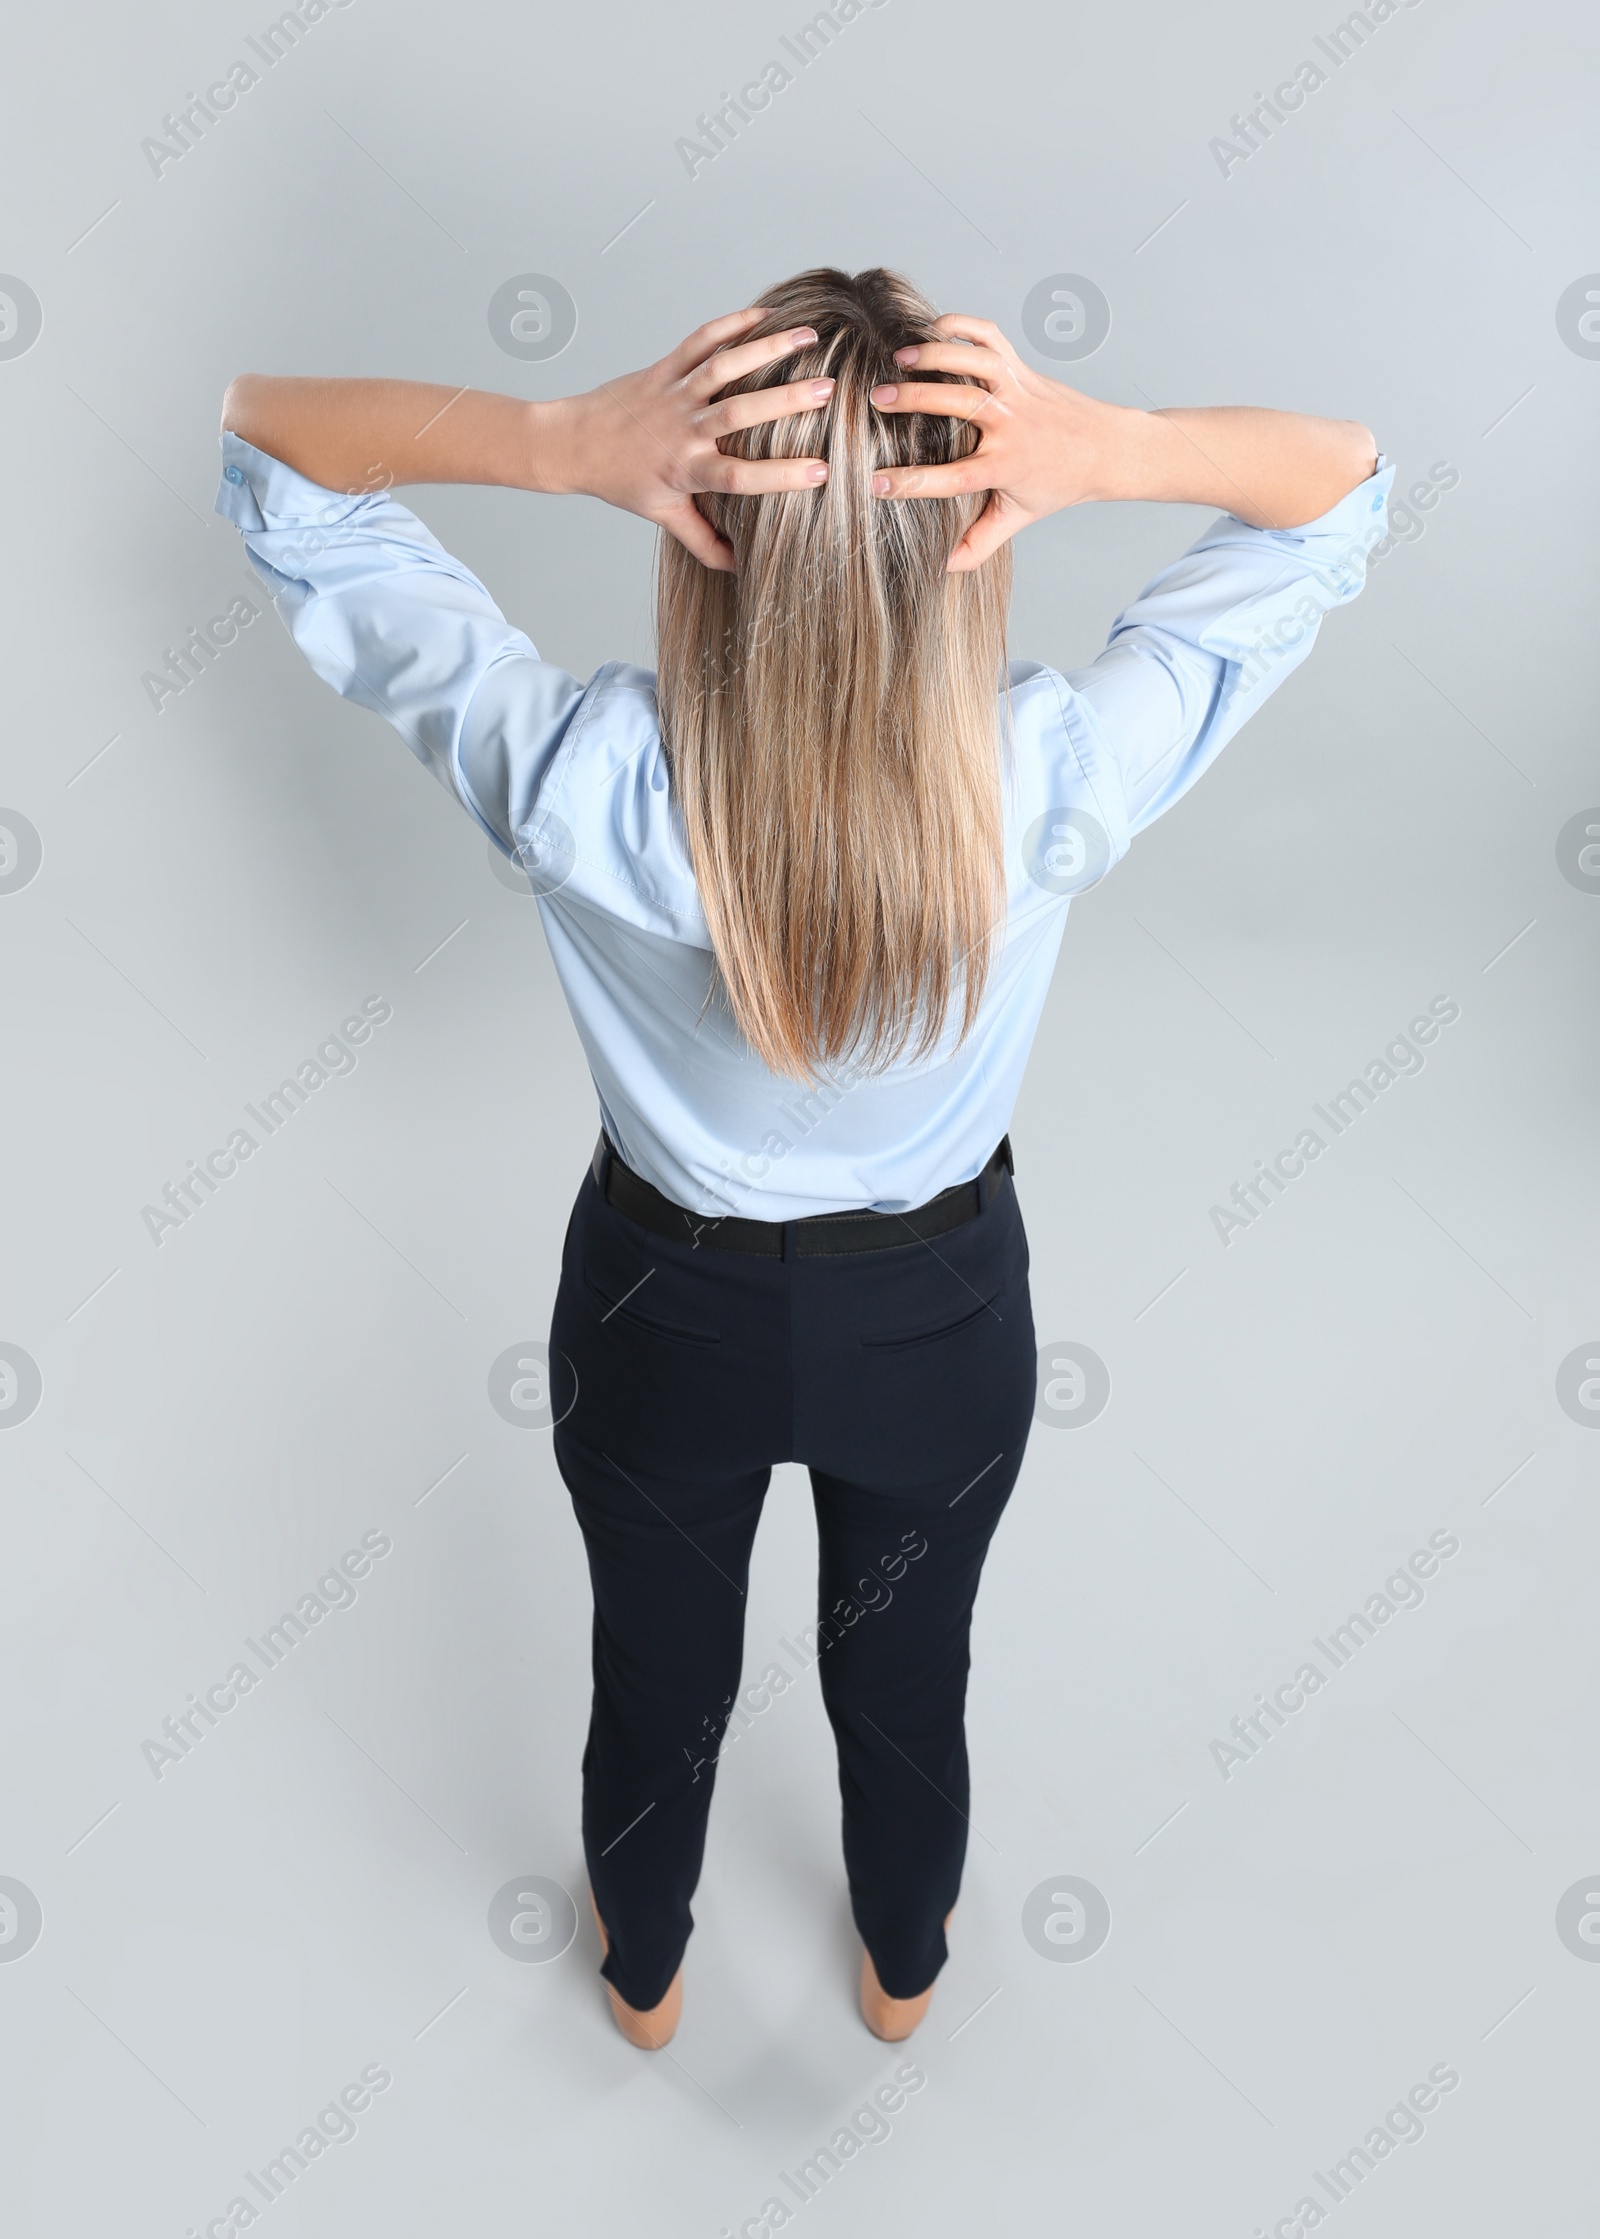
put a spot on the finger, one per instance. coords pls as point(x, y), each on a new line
point(982, 331)
point(954, 357)
point(949, 400)
point(996, 525)
point(752, 408)
point(748, 357)
point(699, 345)
point(694, 532)
point(754, 478)
point(956, 478)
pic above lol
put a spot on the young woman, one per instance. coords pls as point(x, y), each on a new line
point(804, 890)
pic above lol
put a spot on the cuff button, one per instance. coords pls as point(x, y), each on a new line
point(234, 474)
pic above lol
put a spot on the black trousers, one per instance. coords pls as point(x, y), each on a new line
point(905, 1380)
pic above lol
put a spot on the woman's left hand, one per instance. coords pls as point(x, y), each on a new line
point(1040, 446)
point(648, 442)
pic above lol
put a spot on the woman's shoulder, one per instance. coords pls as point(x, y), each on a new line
point(1042, 704)
point(1034, 690)
point(623, 677)
point(616, 721)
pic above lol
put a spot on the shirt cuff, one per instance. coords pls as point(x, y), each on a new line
point(258, 492)
point(1355, 512)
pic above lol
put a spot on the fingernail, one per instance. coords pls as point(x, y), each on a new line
point(818, 471)
point(907, 356)
point(885, 393)
point(821, 390)
point(880, 485)
point(804, 334)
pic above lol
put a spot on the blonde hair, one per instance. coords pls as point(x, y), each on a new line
point(831, 712)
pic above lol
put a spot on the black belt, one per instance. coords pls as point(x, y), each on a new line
point(816, 1234)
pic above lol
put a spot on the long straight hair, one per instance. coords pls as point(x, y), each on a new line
point(832, 711)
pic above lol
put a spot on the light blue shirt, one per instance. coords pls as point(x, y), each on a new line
point(571, 779)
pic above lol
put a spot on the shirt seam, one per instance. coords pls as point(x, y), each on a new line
point(1057, 681)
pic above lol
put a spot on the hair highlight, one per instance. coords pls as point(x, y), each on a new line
point(832, 711)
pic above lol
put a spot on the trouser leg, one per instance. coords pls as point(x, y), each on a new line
point(669, 1562)
point(898, 1576)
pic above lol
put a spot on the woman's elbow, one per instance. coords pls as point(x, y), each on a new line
point(238, 399)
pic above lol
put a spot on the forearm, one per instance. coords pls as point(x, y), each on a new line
point(371, 435)
point(1275, 470)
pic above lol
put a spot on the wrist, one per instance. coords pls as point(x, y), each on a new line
point(1126, 445)
point(1149, 459)
point(551, 447)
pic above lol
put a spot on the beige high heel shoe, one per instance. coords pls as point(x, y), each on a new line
point(648, 2031)
point(892, 2019)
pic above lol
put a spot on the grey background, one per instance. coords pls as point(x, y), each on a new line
point(307, 1360)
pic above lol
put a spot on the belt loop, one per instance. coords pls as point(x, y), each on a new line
point(1005, 1153)
point(599, 1163)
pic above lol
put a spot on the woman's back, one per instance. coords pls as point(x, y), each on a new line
point(888, 828)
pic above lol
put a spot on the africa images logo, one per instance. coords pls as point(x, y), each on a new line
point(335, 1055)
point(182, 132)
point(1402, 1055)
point(21, 1920)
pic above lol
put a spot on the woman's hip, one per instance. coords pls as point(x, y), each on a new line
point(886, 1366)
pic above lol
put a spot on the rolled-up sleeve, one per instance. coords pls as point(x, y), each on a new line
point(1214, 635)
point(387, 617)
